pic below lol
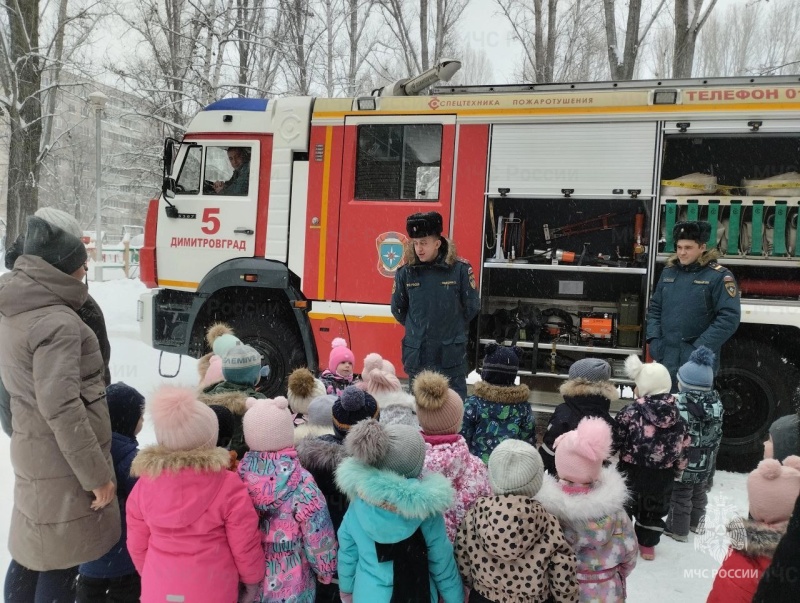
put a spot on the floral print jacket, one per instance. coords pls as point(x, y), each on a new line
point(650, 433)
point(598, 530)
point(296, 530)
point(450, 456)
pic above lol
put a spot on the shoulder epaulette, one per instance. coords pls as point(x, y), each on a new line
point(717, 267)
point(463, 260)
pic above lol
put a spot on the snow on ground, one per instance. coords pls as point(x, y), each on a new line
point(681, 571)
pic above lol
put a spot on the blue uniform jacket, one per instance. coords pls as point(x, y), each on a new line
point(435, 302)
point(117, 562)
point(693, 305)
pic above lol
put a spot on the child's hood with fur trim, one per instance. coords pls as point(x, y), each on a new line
point(760, 540)
point(581, 388)
point(411, 499)
point(608, 496)
point(187, 482)
point(230, 395)
point(502, 394)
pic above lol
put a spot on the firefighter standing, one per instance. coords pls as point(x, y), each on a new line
point(434, 297)
point(696, 301)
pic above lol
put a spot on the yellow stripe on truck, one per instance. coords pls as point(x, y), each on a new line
point(323, 224)
point(353, 318)
point(182, 284)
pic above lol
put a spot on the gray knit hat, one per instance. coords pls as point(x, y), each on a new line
point(62, 219)
point(784, 437)
point(698, 372)
point(397, 448)
point(590, 369)
point(320, 411)
point(515, 467)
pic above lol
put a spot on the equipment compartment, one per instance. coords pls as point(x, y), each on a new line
point(564, 278)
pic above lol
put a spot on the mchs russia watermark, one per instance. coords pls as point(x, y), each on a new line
point(721, 530)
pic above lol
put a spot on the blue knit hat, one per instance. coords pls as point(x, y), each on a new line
point(698, 373)
point(125, 408)
point(353, 406)
point(241, 365)
point(500, 364)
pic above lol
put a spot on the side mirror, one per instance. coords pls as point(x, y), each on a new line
point(170, 153)
point(168, 187)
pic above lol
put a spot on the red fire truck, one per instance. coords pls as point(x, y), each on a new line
point(562, 196)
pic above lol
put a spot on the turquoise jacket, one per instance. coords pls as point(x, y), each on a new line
point(386, 507)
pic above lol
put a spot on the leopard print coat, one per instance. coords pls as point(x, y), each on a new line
point(511, 550)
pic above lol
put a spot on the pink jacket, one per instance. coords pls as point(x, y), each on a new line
point(192, 529)
point(450, 456)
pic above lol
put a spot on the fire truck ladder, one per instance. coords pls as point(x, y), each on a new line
point(774, 80)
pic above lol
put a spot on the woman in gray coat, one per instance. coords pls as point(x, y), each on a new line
point(51, 365)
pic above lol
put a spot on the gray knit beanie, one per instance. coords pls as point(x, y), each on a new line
point(320, 411)
point(62, 219)
point(590, 369)
point(784, 437)
point(397, 448)
point(515, 467)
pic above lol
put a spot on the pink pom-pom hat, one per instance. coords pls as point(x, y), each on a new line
point(580, 453)
point(340, 353)
point(180, 421)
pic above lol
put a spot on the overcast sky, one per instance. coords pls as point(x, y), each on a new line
point(484, 27)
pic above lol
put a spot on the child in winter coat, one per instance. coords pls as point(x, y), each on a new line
point(498, 410)
point(440, 412)
point(323, 454)
point(339, 373)
point(498, 560)
point(302, 389)
point(589, 502)
point(701, 408)
point(652, 440)
point(779, 583)
point(772, 491)
point(113, 577)
point(588, 392)
point(393, 544)
point(297, 535)
point(241, 368)
point(192, 530)
point(220, 339)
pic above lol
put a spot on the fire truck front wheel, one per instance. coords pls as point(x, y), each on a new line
point(757, 385)
point(280, 346)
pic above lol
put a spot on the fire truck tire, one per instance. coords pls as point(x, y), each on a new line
point(279, 344)
point(757, 385)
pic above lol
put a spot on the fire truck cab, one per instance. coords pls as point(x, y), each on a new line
point(561, 196)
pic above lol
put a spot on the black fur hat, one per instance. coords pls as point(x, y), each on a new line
point(692, 231)
point(424, 224)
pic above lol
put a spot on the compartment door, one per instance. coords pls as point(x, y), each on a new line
point(393, 166)
point(590, 158)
